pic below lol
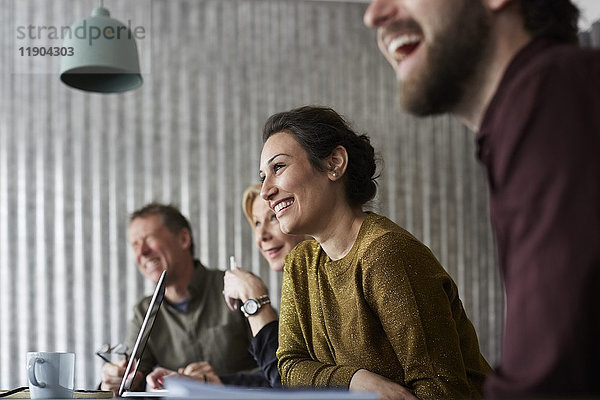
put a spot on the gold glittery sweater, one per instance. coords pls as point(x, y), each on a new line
point(388, 307)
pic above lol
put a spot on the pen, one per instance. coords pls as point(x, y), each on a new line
point(232, 266)
point(119, 349)
point(104, 358)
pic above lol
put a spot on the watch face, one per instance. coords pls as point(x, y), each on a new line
point(251, 306)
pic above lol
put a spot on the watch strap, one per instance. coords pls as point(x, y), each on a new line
point(262, 300)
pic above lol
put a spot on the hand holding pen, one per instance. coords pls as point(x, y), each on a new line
point(113, 370)
point(240, 285)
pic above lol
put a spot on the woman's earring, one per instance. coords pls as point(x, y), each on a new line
point(334, 174)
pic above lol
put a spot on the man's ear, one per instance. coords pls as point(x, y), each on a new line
point(185, 239)
point(337, 162)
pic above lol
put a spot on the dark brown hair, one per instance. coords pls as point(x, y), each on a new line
point(319, 130)
point(553, 19)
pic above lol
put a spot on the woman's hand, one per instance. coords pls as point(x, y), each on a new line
point(201, 371)
point(242, 285)
point(367, 381)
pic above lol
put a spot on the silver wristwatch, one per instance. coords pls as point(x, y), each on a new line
point(251, 306)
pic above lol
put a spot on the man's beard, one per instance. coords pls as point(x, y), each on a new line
point(452, 60)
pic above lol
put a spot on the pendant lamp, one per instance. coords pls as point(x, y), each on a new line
point(104, 57)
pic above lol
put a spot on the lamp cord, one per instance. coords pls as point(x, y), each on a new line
point(17, 390)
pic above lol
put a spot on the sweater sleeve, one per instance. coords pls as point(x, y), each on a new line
point(263, 347)
point(297, 362)
point(412, 296)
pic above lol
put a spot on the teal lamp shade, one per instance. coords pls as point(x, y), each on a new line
point(105, 56)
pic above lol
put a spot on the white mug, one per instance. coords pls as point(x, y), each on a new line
point(51, 375)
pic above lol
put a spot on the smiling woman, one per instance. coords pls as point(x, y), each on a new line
point(273, 244)
point(365, 306)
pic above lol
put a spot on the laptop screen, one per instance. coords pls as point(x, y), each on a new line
point(142, 338)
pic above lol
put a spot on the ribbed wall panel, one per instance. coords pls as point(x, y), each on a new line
point(73, 165)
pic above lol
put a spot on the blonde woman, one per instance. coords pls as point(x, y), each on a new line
point(243, 286)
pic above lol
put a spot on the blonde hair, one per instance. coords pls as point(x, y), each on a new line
point(250, 194)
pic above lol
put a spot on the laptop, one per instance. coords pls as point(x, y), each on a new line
point(140, 344)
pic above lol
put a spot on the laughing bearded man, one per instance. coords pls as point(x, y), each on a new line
point(511, 70)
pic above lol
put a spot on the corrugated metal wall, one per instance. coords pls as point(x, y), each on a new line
point(73, 165)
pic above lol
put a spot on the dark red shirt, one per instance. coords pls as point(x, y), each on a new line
point(540, 145)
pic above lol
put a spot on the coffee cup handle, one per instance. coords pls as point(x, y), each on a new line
point(31, 371)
